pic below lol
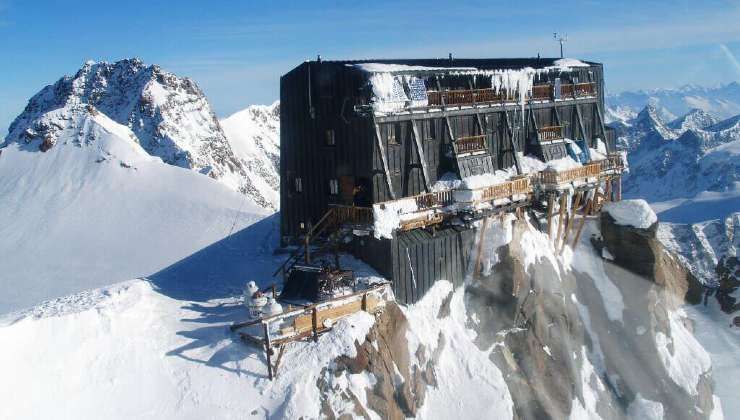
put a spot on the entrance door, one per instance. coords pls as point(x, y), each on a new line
point(346, 189)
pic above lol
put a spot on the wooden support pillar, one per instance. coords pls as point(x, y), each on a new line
point(619, 188)
point(583, 222)
point(571, 219)
point(268, 350)
point(480, 247)
point(561, 214)
point(608, 189)
point(315, 324)
point(550, 204)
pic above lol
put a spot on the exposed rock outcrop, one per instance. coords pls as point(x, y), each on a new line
point(400, 386)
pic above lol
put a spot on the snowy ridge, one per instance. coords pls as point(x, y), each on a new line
point(169, 115)
point(96, 209)
point(254, 136)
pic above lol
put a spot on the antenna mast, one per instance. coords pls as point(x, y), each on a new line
point(562, 39)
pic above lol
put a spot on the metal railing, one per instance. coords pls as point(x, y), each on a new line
point(550, 133)
point(470, 144)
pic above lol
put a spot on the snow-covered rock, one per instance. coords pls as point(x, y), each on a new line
point(635, 213)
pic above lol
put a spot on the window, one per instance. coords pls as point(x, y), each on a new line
point(333, 187)
point(330, 139)
point(392, 133)
point(298, 185)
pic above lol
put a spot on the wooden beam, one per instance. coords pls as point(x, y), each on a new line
point(492, 108)
point(420, 151)
point(384, 160)
point(550, 204)
point(601, 123)
point(583, 222)
point(510, 130)
point(561, 214)
point(571, 220)
point(583, 132)
point(268, 350)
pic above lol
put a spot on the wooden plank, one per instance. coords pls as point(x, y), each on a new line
point(384, 160)
point(422, 159)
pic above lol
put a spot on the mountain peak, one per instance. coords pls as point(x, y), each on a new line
point(169, 115)
point(696, 119)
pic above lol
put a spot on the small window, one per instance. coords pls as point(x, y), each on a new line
point(330, 139)
point(298, 185)
point(333, 187)
point(392, 133)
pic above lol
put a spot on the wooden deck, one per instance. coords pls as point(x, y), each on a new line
point(308, 321)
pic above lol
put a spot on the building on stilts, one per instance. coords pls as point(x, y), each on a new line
point(396, 161)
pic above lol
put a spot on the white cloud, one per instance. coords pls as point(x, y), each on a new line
point(730, 57)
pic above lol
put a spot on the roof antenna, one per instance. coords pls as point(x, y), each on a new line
point(450, 58)
point(318, 58)
point(562, 39)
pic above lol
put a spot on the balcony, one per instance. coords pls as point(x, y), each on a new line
point(551, 133)
point(469, 145)
point(544, 92)
point(577, 90)
point(552, 179)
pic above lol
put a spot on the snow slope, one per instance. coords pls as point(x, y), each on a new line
point(254, 136)
point(96, 209)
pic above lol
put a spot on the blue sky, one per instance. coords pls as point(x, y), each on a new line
point(237, 50)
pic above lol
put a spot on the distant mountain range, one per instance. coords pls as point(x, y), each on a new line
point(687, 167)
point(721, 101)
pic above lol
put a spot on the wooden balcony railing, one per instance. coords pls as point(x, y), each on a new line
point(612, 163)
point(470, 144)
point(554, 132)
point(457, 97)
point(539, 92)
point(548, 177)
point(507, 189)
point(542, 92)
point(577, 90)
point(352, 215)
point(434, 199)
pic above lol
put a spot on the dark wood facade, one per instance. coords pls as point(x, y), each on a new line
point(331, 145)
point(328, 148)
point(415, 260)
